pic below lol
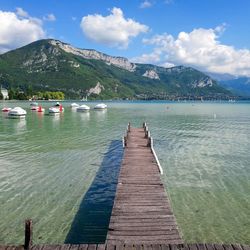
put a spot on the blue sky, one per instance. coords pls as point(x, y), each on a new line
point(210, 35)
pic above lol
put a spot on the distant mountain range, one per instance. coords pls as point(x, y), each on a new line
point(239, 86)
point(56, 66)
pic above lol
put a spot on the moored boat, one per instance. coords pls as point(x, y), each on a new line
point(83, 108)
point(100, 106)
point(34, 104)
point(54, 110)
point(5, 109)
point(17, 112)
point(74, 105)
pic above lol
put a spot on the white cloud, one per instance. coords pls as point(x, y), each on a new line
point(22, 13)
point(200, 48)
point(18, 29)
point(113, 30)
point(145, 4)
point(50, 17)
point(168, 1)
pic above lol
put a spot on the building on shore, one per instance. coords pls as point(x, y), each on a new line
point(4, 93)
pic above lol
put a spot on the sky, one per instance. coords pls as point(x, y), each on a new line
point(209, 35)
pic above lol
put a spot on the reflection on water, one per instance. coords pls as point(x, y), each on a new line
point(85, 116)
point(47, 166)
point(20, 125)
point(91, 221)
point(100, 114)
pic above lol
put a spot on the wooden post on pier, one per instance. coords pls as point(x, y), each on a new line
point(128, 130)
point(28, 234)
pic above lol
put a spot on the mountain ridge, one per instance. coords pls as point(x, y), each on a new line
point(53, 65)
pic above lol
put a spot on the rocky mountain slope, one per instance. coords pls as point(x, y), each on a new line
point(53, 65)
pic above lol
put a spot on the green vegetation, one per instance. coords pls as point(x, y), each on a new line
point(43, 67)
point(17, 94)
point(1, 96)
point(50, 95)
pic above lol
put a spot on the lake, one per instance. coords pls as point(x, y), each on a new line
point(59, 170)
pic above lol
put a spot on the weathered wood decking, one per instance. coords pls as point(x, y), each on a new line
point(141, 213)
point(201, 246)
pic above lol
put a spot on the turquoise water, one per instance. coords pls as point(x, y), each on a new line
point(47, 165)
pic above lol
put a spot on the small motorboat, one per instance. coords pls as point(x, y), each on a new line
point(5, 109)
point(74, 105)
point(34, 104)
point(100, 106)
point(83, 108)
point(59, 106)
point(17, 112)
point(33, 108)
point(54, 110)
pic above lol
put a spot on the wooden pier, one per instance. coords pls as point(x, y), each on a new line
point(201, 246)
point(141, 212)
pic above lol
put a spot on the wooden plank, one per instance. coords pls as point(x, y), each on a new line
point(65, 247)
point(228, 247)
point(128, 247)
point(202, 246)
point(245, 247)
point(165, 247)
point(36, 247)
point(143, 227)
point(144, 238)
point(101, 247)
point(79, 247)
point(92, 247)
point(51, 247)
point(156, 247)
point(192, 246)
point(237, 247)
point(110, 246)
point(210, 247)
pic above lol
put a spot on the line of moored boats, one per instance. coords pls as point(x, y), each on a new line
point(19, 112)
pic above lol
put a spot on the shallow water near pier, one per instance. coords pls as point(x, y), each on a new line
point(48, 163)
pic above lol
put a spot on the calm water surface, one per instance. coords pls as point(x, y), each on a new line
point(47, 165)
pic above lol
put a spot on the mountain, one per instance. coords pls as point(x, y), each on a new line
point(51, 65)
point(238, 86)
point(220, 77)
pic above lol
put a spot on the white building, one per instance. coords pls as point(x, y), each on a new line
point(4, 93)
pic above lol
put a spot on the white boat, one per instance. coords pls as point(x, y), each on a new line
point(83, 108)
point(54, 110)
point(74, 105)
point(100, 106)
point(17, 112)
point(34, 104)
point(34, 108)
